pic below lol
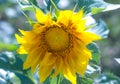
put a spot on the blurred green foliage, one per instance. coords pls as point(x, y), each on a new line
point(113, 1)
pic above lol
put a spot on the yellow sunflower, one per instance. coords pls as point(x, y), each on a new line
point(58, 45)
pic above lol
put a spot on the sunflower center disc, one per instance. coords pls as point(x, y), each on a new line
point(57, 39)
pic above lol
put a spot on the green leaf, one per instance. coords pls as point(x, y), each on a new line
point(53, 5)
point(111, 7)
point(107, 78)
point(84, 80)
point(6, 78)
point(29, 19)
point(49, 4)
point(117, 60)
point(3, 81)
point(93, 69)
point(13, 63)
point(100, 29)
point(64, 81)
point(24, 79)
point(53, 80)
point(10, 62)
point(95, 52)
point(27, 2)
point(99, 4)
point(96, 10)
point(28, 7)
point(47, 81)
point(7, 47)
point(94, 6)
point(33, 1)
point(59, 79)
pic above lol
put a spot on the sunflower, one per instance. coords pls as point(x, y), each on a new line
point(57, 44)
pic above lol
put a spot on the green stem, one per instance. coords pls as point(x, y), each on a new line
point(54, 5)
point(59, 78)
point(75, 7)
point(57, 10)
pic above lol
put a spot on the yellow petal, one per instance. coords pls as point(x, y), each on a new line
point(44, 72)
point(79, 57)
point(64, 17)
point(87, 37)
point(58, 66)
point(31, 38)
point(48, 59)
point(37, 28)
point(80, 14)
point(69, 73)
point(35, 64)
point(81, 68)
point(30, 58)
point(40, 16)
point(22, 31)
point(68, 18)
point(81, 26)
point(21, 50)
point(80, 62)
point(70, 76)
point(20, 39)
point(76, 17)
point(38, 60)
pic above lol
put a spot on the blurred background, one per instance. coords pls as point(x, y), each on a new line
point(11, 18)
